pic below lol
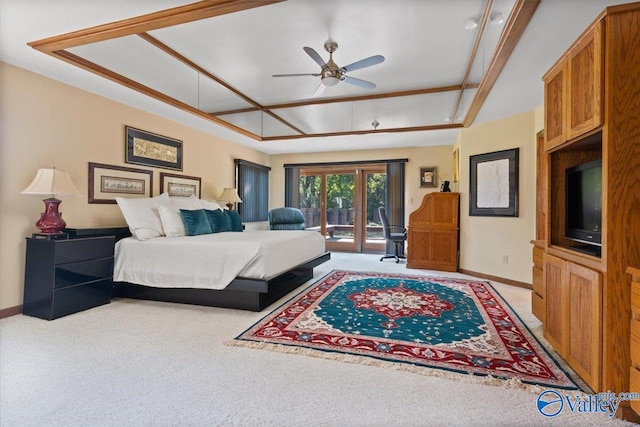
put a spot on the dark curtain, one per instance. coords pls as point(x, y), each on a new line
point(292, 187)
point(395, 197)
point(253, 189)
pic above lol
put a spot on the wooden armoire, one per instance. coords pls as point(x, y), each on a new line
point(433, 237)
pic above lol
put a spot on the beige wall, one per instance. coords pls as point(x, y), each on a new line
point(539, 118)
point(485, 240)
point(439, 156)
point(45, 123)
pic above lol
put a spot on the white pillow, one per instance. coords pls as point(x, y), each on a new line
point(142, 216)
point(190, 203)
point(170, 215)
point(171, 221)
point(210, 205)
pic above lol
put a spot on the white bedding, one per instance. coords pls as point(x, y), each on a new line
point(212, 261)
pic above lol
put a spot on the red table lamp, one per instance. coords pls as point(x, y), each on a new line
point(51, 182)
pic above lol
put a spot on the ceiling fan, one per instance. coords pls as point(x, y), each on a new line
point(330, 74)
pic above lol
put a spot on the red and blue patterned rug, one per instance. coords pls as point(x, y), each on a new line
point(455, 325)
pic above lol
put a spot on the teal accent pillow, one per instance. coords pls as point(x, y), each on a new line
point(195, 222)
point(218, 220)
point(234, 220)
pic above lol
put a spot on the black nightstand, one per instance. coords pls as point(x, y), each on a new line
point(120, 232)
point(67, 276)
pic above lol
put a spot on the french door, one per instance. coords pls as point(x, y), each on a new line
point(374, 192)
point(342, 204)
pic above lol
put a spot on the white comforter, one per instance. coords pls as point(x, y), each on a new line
point(212, 261)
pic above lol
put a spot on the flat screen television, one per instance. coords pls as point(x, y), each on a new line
point(584, 203)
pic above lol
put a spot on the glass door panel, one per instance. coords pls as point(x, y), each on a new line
point(374, 190)
point(312, 200)
point(341, 218)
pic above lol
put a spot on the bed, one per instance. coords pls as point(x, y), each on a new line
point(248, 270)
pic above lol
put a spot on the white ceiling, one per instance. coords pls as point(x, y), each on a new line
point(424, 43)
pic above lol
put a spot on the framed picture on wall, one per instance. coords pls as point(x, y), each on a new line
point(150, 149)
point(180, 185)
point(493, 184)
point(456, 167)
point(106, 182)
point(428, 176)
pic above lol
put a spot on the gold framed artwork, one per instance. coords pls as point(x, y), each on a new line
point(428, 176)
point(180, 185)
point(456, 163)
point(106, 182)
point(150, 149)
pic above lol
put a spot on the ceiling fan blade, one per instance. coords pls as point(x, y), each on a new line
point(296, 75)
point(358, 82)
point(367, 62)
point(316, 57)
point(320, 90)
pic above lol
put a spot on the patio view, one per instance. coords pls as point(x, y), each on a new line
point(341, 207)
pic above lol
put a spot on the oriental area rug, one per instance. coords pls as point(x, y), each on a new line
point(433, 325)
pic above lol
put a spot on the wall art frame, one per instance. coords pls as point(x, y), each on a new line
point(106, 182)
point(493, 183)
point(150, 149)
point(180, 185)
point(429, 176)
point(456, 165)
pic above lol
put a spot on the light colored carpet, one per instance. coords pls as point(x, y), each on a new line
point(147, 363)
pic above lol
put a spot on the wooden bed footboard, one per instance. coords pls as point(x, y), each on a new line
point(242, 293)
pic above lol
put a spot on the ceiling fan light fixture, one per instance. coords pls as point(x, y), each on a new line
point(330, 81)
point(497, 19)
point(470, 24)
point(330, 74)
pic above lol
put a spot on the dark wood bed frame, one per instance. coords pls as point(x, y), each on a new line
point(243, 293)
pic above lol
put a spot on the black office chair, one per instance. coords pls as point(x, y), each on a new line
point(393, 233)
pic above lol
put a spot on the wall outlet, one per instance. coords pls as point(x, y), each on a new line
point(505, 259)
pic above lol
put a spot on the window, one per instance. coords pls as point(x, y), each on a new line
point(253, 189)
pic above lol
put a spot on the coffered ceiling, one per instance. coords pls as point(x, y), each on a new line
point(211, 63)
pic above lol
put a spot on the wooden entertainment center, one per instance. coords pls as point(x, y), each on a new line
point(592, 111)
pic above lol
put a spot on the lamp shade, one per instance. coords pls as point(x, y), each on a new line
point(230, 195)
point(52, 182)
